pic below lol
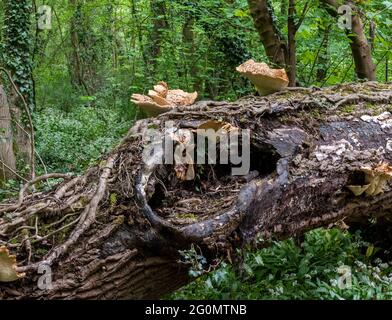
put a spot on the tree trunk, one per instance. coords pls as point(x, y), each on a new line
point(158, 12)
point(18, 61)
point(362, 52)
point(292, 54)
point(322, 54)
point(188, 38)
point(360, 48)
point(7, 156)
point(76, 64)
point(262, 14)
point(116, 232)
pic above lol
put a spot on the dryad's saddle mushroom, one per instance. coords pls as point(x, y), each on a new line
point(8, 267)
point(376, 180)
point(265, 79)
point(161, 99)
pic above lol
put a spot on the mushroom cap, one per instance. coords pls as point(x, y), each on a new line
point(181, 98)
point(265, 79)
point(161, 99)
point(158, 98)
point(149, 106)
point(161, 88)
point(217, 126)
point(384, 170)
point(8, 271)
point(376, 180)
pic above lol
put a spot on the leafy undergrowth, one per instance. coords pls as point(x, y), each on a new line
point(316, 269)
point(71, 141)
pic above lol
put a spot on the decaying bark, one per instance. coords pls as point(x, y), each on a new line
point(116, 231)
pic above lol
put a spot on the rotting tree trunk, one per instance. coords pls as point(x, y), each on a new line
point(120, 226)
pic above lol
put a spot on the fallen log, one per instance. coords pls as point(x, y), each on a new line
point(130, 229)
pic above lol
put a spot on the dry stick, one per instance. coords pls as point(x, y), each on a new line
point(26, 241)
point(29, 184)
point(36, 152)
point(61, 192)
point(32, 142)
point(13, 171)
point(57, 231)
point(38, 179)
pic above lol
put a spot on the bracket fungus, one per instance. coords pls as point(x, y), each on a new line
point(376, 180)
point(8, 271)
point(265, 79)
point(161, 99)
point(184, 164)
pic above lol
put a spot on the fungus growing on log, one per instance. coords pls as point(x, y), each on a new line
point(185, 168)
point(118, 230)
point(8, 267)
point(265, 79)
point(376, 180)
point(161, 99)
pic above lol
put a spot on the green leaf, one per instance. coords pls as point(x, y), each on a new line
point(369, 251)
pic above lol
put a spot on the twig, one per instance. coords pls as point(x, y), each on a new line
point(38, 179)
point(13, 171)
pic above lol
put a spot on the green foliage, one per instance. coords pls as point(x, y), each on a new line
point(195, 260)
point(309, 271)
point(72, 141)
point(83, 84)
point(16, 45)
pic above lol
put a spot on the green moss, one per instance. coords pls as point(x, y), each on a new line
point(349, 108)
point(187, 216)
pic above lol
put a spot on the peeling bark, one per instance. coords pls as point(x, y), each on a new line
point(131, 218)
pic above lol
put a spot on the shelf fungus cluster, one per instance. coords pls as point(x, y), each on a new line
point(376, 180)
point(184, 165)
point(8, 271)
point(265, 79)
point(161, 99)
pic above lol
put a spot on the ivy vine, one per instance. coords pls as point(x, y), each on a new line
point(16, 45)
